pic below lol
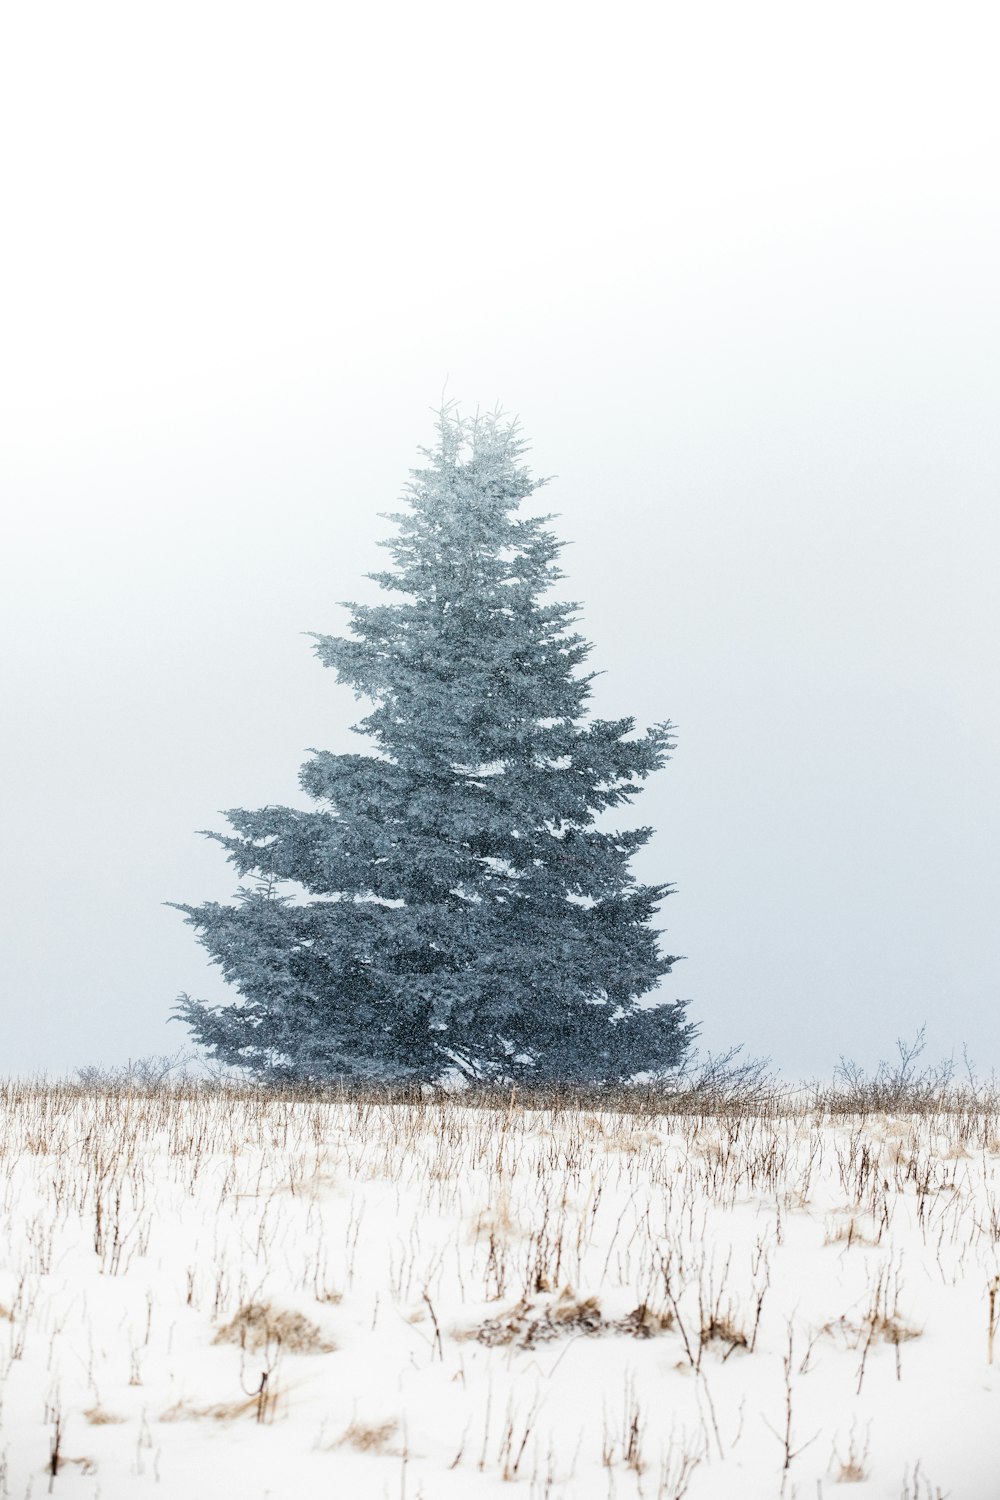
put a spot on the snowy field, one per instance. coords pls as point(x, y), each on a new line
point(216, 1293)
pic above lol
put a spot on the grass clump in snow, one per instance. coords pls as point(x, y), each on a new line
point(218, 1411)
point(257, 1325)
point(369, 1437)
point(98, 1417)
point(538, 1321)
point(722, 1329)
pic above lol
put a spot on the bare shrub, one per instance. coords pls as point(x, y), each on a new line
point(139, 1075)
point(705, 1085)
point(901, 1087)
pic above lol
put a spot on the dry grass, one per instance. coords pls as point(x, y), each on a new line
point(84, 1464)
point(98, 1417)
point(848, 1234)
point(688, 1205)
point(256, 1325)
point(857, 1332)
point(534, 1321)
point(711, 1086)
point(724, 1330)
point(854, 1468)
point(643, 1323)
point(369, 1437)
point(218, 1411)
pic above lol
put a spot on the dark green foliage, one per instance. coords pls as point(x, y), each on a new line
point(455, 903)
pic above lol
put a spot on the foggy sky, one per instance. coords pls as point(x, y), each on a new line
point(733, 266)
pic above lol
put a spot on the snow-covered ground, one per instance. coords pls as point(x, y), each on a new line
point(217, 1294)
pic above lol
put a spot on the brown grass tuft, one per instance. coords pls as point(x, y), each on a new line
point(258, 1324)
point(98, 1417)
point(723, 1330)
point(220, 1411)
point(369, 1437)
point(529, 1323)
point(538, 1322)
point(643, 1323)
point(878, 1329)
point(893, 1330)
point(854, 1468)
point(847, 1234)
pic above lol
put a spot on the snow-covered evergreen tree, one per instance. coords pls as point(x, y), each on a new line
point(453, 901)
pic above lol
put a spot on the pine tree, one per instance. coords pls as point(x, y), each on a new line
point(454, 902)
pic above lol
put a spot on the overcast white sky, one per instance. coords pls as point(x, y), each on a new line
point(733, 265)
